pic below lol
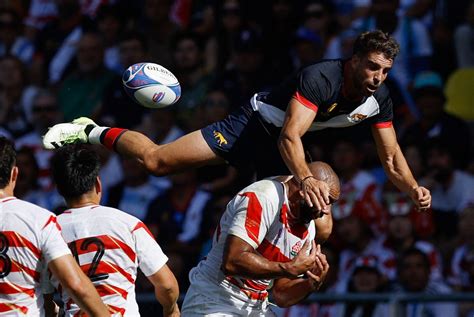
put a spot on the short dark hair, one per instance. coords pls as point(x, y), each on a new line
point(411, 252)
point(376, 41)
point(7, 160)
point(75, 169)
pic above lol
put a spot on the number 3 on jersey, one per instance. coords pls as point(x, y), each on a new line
point(99, 253)
point(6, 263)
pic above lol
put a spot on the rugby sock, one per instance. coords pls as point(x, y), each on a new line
point(104, 135)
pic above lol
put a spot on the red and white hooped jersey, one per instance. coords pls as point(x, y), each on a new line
point(30, 238)
point(110, 245)
point(258, 215)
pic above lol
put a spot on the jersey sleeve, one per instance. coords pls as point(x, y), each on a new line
point(385, 116)
point(309, 88)
point(252, 219)
point(52, 243)
point(150, 256)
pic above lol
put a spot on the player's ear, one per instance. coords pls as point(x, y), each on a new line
point(98, 185)
point(14, 174)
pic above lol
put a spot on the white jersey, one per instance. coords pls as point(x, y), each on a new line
point(110, 246)
point(29, 239)
point(257, 215)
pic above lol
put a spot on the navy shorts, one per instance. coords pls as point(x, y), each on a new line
point(245, 141)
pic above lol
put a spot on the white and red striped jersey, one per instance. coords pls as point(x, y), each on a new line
point(110, 245)
point(30, 238)
point(257, 215)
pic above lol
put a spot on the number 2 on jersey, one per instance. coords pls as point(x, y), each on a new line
point(6, 265)
point(95, 261)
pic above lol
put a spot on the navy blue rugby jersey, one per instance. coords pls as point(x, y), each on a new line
point(319, 87)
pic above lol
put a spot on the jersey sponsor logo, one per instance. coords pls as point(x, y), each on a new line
point(357, 117)
point(295, 248)
point(220, 138)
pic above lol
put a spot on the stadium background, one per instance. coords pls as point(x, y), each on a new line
point(63, 59)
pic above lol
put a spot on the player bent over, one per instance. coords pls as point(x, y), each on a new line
point(31, 243)
point(266, 235)
point(267, 132)
point(108, 244)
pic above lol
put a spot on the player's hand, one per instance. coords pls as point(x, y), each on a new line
point(315, 192)
point(421, 196)
point(303, 261)
point(317, 274)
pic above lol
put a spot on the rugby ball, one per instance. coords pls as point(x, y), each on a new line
point(151, 85)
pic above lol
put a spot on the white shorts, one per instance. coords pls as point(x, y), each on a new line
point(196, 303)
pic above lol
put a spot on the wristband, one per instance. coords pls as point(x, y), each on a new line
point(110, 137)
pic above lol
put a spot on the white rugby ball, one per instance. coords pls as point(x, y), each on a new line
point(151, 85)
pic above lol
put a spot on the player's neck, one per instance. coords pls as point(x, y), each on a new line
point(85, 200)
point(6, 192)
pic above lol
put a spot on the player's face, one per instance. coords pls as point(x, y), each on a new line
point(370, 72)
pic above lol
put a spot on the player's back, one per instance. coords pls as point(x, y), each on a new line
point(108, 245)
point(29, 239)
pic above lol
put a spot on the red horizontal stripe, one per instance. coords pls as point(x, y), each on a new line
point(4, 307)
point(256, 286)
point(116, 310)
point(8, 288)
point(305, 102)
point(141, 225)
point(16, 240)
point(107, 267)
point(382, 125)
point(110, 243)
point(18, 267)
point(106, 289)
point(271, 252)
point(111, 137)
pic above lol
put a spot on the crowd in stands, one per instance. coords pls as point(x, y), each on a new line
point(62, 59)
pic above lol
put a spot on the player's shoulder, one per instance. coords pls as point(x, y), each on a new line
point(329, 68)
point(28, 210)
point(103, 214)
point(117, 215)
point(269, 190)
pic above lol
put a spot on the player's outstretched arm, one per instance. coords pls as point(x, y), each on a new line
point(78, 286)
point(166, 290)
point(241, 259)
point(396, 166)
point(298, 119)
point(287, 292)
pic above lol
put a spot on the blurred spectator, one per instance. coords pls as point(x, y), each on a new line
point(461, 275)
point(464, 39)
point(160, 126)
point(110, 22)
point(444, 52)
point(434, 121)
point(12, 41)
point(176, 219)
point(116, 105)
point(341, 46)
point(318, 18)
point(459, 94)
point(308, 48)
point(407, 227)
point(39, 14)
point(358, 240)
point(27, 185)
point(159, 30)
point(278, 35)
point(111, 172)
point(462, 265)
point(15, 96)
point(56, 42)
point(45, 114)
point(191, 73)
point(414, 277)
point(366, 278)
point(135, 192)
point(412, 35)
point(360, 194)
point(451, 188)
point(82, 91)
point(247, 73)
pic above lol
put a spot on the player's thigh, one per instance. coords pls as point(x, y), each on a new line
point(191, 150)
point(197, 304)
